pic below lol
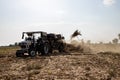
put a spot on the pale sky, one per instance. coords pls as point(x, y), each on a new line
point(98, 20)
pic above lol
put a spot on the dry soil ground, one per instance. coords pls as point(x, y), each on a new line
point(71, 65)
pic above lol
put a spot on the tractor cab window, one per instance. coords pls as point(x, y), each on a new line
point(28, 38)
point(36, 36)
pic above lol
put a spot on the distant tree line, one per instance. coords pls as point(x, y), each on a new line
point(15, 44)
point(116, 40)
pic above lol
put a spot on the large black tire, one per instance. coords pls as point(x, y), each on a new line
point(19, 53)
point(61, 48)
point(51, 50)
point(32, 53)
point(45, 49)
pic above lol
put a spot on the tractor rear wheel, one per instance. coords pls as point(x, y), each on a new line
point(61, 48)
point(45, 49)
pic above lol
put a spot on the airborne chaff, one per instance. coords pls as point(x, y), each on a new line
point(76, 33)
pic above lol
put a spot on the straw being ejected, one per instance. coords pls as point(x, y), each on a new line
point(75, 34)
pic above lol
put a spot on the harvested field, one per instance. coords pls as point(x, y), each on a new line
point(70, 65)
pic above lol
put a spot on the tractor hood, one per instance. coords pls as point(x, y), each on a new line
point(25, 44)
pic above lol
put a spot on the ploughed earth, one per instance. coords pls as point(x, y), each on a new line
point(75, 64)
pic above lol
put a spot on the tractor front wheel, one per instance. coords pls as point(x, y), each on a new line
point(32, 53)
